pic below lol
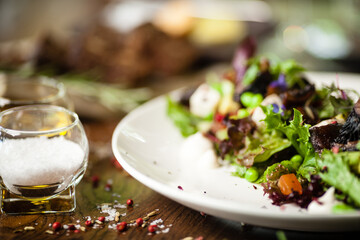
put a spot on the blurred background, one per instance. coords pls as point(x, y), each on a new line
point(108, 51)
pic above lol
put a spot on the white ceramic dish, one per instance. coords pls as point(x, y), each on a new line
point(146, 144)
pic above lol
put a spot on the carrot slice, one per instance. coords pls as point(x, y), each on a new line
point(288, 183)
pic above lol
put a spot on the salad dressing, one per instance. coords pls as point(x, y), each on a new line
point(198, 150)
point(324, 204)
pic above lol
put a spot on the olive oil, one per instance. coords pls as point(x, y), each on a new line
point(17, 204)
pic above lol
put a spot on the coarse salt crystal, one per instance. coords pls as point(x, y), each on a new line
point(132, 224)
point(119, 205)
point(112, 226)
point(39, 161)
point(156, 222)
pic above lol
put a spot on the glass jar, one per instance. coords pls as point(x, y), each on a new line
point(44, 154)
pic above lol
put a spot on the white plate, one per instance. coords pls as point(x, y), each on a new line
point(146, 144)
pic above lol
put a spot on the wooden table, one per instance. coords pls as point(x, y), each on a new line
point(115, 186)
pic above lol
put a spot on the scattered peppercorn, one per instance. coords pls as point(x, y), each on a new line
point(56, 226)
point(139, 222)
point(95, 180)
point(71, 227)
point(121, 226)
point(108, 187)
point(101, 219)
point(88, 223)
point(152, 228)
point(129, 202)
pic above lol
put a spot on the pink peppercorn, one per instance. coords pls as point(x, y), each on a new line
point(88, 223)
point(56, 226)
point(95, 180)
point(121, 226)
point(71, 227)
point(108, 187)
point(76, 231)
point(152, 228)
point(101, 219)
point(139, 221)
point(129, 202)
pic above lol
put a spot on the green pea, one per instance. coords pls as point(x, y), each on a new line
point(257, 99)
point(297, 158)
point(242, 113)
point(246, 98)
point(251, 100)
point(251, 174)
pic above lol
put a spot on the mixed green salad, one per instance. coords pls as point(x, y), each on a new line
point(267, 119)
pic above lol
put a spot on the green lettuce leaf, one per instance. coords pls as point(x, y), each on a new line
point(263, 147)
point(290, 68)
point(251, 73)
point(286, 166)
point(308, 166)
point(336, 170)
point(292, 71)
point(182, 118)
point(332, 103)
point(297, 133)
